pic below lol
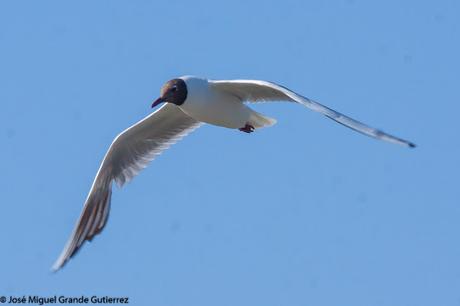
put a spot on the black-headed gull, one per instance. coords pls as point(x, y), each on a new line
point(189, 102)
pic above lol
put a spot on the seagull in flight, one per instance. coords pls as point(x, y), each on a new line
point(188, 102)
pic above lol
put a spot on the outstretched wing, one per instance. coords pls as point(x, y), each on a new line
point(130, 152)
point(261, 91)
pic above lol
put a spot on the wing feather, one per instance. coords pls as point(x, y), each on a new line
point(129, 153)
point(262, 91)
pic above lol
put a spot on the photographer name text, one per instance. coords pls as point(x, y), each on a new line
point(62, 299)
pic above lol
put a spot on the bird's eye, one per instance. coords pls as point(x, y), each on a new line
point(174, 89)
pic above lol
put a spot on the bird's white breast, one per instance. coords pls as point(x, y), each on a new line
point(205, 104)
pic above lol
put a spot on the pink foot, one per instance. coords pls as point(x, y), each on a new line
point(247, 128)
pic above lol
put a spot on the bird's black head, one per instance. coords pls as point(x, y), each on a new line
point(173, 91)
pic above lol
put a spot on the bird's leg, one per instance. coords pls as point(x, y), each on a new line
point(247, 128)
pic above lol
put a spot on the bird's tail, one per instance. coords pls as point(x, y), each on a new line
point(258, 120)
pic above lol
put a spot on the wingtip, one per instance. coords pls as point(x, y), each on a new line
point(56, 266)
point(60, 262)
point(412, 145)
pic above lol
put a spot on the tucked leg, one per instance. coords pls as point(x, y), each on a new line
point(247, 128)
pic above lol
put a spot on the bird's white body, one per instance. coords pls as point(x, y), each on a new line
point(206, 104)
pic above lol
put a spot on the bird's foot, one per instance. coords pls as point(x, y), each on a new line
point(247, 128)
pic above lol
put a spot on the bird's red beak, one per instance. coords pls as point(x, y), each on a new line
point(157, 101)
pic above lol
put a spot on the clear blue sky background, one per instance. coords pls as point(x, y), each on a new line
point(305, 213)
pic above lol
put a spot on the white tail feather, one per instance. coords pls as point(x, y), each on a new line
point(258, 120)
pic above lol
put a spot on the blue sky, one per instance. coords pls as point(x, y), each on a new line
point(304, 213)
